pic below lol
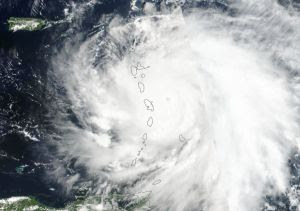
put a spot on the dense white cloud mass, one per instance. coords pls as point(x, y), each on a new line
point(200, 109)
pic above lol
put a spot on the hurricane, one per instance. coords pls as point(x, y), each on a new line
point(183, 105)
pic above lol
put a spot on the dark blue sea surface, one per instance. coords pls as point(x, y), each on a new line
point(25, 119)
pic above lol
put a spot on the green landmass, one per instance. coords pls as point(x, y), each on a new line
point(21, 204)
point(25, 24)
point(113, 202)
